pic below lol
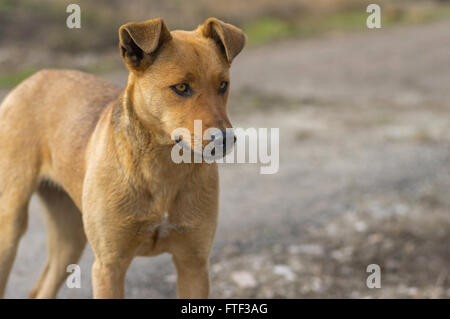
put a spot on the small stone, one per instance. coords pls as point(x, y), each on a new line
point(375, 238)
point(216, 268)
point(171, 278)
point(311, 249)
point(316, 284)
point(412, 291)
point(244, 279)
point(227, 292)
point(284, 271)
point(360, 226)
point(401, 209)
point(342, 254)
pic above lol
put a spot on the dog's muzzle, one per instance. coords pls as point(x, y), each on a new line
point(219, 144)
point(223, 141)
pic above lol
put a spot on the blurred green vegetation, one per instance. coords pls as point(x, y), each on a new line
point(267, 29)
point(11, 79)
point(37, 23)
point(35, 35)
point(42, 23)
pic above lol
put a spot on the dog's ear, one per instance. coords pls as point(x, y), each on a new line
point(139, 40)
point(230, 39)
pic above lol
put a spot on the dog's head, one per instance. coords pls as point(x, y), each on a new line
point(179, 77)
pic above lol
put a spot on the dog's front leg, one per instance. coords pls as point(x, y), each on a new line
point(114, 245)
point(192, 276)
point(108, 279)
point(113, 255)
point(190, 251)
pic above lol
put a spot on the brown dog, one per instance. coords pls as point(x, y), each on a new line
point(100, 158)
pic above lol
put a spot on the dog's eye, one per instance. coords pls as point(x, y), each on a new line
point(182, 89)
point(223, 87)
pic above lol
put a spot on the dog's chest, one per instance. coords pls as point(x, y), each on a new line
point(167, 217)
point(162, 215)
point(164, 228)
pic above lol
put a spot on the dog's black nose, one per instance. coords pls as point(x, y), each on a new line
point(223, 139)
point(224, 136)
point(228, 136)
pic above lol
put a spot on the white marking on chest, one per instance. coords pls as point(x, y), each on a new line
point(164, 226)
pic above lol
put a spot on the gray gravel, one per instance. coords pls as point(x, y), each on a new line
point(363, 118)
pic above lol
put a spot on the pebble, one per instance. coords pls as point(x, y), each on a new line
point(244, 279)
point(284, 271)
point(311, 249)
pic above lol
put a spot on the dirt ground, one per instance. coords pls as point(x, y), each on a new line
point(364, 176)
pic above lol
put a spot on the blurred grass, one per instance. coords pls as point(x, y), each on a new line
point(39, 26)
point(11, 79)
point(6, 6)
point(267, 29)
point(37, 23)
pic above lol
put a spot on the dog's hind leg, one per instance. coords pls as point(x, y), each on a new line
point(16, 188)
point(13, 223)
point(66, 239)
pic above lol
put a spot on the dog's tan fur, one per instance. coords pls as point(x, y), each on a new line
point(99, 158)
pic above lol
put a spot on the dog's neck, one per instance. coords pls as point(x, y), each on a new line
point(139, 150)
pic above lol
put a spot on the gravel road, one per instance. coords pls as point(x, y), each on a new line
point(364, 124)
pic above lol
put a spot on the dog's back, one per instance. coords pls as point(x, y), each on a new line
point(52, 100)
point(48, 119)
